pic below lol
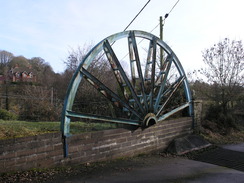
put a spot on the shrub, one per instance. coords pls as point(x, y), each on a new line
point(39, 110)
point(7, 115)
point(215, 114)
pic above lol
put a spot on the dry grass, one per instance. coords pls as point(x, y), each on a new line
point(15, 129)
point(224, 136)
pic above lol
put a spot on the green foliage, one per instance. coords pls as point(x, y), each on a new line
point(19, 61)
point(14, 129)
point(7, 115)
point(215, 113)
point(212, 112)
point(39, 111)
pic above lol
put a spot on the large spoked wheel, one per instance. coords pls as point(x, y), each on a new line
point(129, 82)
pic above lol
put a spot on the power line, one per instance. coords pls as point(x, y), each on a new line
point(136, 16)
point(173, 7)
point(167, 14)
point(154, 28)
point(131, 23)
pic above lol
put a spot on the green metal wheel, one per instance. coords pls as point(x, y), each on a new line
point(138, 86)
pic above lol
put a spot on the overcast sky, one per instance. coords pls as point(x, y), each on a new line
point(50, 28)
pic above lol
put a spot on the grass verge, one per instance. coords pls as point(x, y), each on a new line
point(217, 134)
point(232, 137)
point(15, 129)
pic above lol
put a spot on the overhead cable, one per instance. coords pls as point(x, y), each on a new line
point(136, 15)
point(167, 14)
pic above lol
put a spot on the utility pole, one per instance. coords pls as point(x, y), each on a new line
point(161, 37)
point(161, 23)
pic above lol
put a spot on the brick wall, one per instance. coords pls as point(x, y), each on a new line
point(44, 151)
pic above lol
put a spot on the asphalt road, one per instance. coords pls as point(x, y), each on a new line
point(157, 169)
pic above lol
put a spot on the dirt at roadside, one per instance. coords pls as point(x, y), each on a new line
point(84, 170)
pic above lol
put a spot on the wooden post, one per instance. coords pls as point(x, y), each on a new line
point(161, 37)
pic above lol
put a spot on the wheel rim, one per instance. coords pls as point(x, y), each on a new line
point(146, 89)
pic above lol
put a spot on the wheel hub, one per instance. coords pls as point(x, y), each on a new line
point(149, 120)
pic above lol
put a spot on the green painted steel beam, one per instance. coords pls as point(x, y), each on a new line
point(102, 118)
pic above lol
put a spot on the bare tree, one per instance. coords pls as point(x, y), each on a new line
point(5, 58)
point(88, 97)
point(225, 72)
point(75, 57)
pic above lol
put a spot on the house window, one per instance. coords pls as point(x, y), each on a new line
point(30, 75)
point(24, 75)
point(17, 74)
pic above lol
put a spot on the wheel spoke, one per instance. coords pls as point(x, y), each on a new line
point(102, 118)
point(108, 51)
point(164, 72)
point(134, 58)
point(164, 116)
point(167, 92)
point(105, 91)
point(173, 88)
point(116, 64)
point(151, 61)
